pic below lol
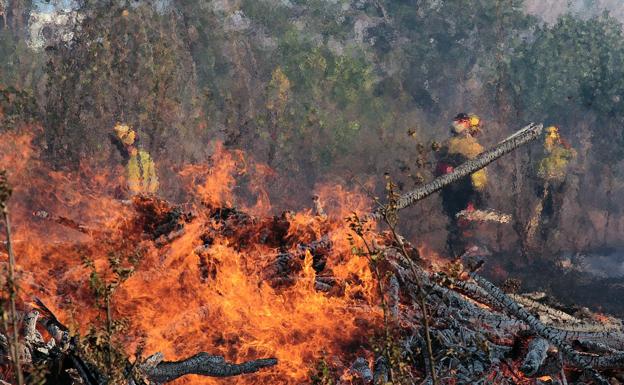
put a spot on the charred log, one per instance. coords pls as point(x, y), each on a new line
point(361, 368)
point(552, 335)
point(159, 218)
point(206, 365)
point(535, 357)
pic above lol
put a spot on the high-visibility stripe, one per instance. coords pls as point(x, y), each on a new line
point(142, 177)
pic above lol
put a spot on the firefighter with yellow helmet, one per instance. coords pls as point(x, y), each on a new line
point(551, 171)
point(140, 168)
point(557, 156)
point(465, 194)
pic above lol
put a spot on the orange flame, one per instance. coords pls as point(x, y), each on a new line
point(231, 309)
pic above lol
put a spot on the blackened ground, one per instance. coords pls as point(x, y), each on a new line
point(574, 282)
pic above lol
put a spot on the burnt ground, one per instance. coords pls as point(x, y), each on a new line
point(593, 280)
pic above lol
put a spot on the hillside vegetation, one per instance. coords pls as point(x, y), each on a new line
point(325, 91)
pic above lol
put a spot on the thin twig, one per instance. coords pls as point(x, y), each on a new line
point(384, 305)
point(564, 380)
point(109, 333)
point(12, 294)
point(421, 300)
point(385, 211)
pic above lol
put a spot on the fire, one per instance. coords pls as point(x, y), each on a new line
point(213, 183)
point(207, 288)
point(436, 260)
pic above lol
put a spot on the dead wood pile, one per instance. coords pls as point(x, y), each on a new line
point(481, 335)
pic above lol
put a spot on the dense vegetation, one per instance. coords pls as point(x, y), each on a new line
point(327, 90)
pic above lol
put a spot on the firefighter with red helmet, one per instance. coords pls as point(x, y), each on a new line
point(467, 193)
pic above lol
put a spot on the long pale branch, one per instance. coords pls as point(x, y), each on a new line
point(523, 136)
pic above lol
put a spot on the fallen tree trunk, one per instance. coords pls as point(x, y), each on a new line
point(525, 135)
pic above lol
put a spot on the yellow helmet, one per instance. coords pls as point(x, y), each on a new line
point(470, 122)
point(125, 134)
point(475, 121)
point(552, 130)
point(475, 124)
point(552, 138)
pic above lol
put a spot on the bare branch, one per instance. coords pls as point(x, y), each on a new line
point(525, 135)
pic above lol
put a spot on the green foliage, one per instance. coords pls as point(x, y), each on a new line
point(269, 14)
point(205, 39)
point(102, 288)
point(324, 17)
point(323, 374)
point(16, 107)
point(20, 72)
point(351, 79)
point(106, 354)
point(449, 39)
point(133, 67)
point(332, 95)
point(391, 346)
point(102, 346)
point(20, 67)
point(577, 65)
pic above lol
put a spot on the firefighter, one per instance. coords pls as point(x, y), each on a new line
point(140, 169)
point(551, 172)
point(467, 193)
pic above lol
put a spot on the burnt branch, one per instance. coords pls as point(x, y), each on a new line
point(524, 136)
point(551, 334)
point(206, 365)
point(535, 357)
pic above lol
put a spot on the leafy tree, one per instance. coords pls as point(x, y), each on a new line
point(575, 68)
point(333, 95)
point(125, 63)
point(448, 42)
point(20, 67)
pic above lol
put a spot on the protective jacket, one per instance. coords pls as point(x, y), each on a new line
point(553, 166)
point(141, 173)
point(464, 147)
